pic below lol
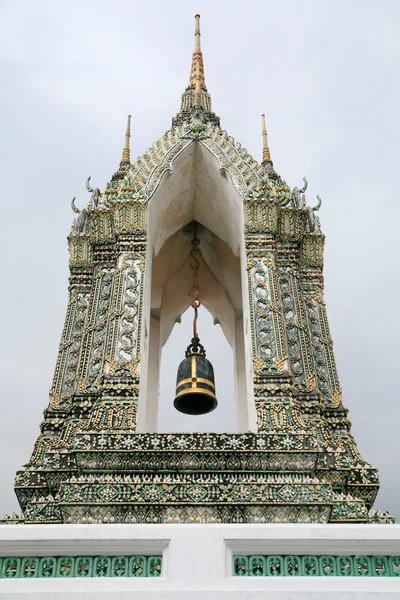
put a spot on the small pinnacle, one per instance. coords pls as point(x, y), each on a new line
point(266, 157)
point(126, 153)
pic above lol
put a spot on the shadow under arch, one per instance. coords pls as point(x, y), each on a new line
point(196, 190)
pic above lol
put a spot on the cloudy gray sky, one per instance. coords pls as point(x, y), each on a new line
point(326, 73)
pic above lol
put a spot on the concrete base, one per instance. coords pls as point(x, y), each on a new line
point(197, 560)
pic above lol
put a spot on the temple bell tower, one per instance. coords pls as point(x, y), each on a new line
point(197, 221)
point(196, 195)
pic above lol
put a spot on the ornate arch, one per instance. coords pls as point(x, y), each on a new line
point(142, 178)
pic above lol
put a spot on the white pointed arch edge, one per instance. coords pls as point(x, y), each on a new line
point(146, 173)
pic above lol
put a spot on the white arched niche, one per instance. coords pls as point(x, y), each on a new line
point(196, 190)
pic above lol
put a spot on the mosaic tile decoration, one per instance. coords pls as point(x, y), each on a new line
point(80, 566)
point(316, 566)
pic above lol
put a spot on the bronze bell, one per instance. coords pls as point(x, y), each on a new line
point(195, 387)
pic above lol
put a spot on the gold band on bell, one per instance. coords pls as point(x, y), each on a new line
point(198, 380)
point(195, 391)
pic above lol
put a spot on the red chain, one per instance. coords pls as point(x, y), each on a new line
point(196, 303)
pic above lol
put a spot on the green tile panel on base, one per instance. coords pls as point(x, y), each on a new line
point(80, 566)
point(316, 566)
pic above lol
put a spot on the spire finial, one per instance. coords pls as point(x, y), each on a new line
point(126, 153)
point(266, 153)
point(197, 34)
point(196, 97)
point(196, 79)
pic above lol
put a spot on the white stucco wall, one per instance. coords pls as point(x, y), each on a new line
point(197, 560)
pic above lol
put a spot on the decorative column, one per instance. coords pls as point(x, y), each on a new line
point(271, 375)
point(115, 344)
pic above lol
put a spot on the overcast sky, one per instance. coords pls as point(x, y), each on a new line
point(326, 73)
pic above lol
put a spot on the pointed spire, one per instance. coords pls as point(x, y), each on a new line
point(196, 96)
point(126, 153)
point(196, 79)
point(266, 152)
point(266, 158)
